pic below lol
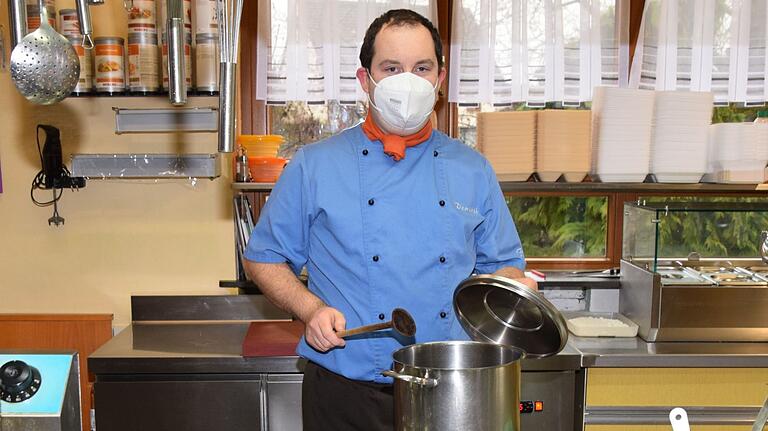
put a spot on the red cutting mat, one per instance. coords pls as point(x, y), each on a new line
point(271, 338)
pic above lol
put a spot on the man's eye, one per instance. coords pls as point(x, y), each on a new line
point(391, 69)
point(422, 69)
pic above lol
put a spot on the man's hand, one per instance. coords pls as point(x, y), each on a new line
point(518, 276)
point(320, 330)
point(531, 283)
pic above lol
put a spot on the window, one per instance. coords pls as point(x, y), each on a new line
point(300, 123)
point(561, 226)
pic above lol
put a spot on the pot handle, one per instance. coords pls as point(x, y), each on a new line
point(421, 381)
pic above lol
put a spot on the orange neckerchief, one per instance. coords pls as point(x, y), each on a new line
point(395, 145)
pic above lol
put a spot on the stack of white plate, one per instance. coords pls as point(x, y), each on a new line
point(621, 133)
point(563, 144)
point(507, 139)
point(738, 153)
point(680, 133)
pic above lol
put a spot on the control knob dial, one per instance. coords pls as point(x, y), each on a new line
point(18, 381)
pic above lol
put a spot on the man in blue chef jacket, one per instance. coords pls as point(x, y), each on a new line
point(386, 214)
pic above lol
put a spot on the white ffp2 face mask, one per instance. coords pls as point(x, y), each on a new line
point(404, 102)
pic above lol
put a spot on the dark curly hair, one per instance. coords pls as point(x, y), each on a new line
point(398, 17)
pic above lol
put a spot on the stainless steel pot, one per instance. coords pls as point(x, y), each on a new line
point(464, 385)
point(457, 385)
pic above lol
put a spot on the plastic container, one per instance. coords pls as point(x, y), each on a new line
point(599, 324)
point(261, 145)
point(266, 169)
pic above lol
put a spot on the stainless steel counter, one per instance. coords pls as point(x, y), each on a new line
point(215, 347)
point(634, 352)
point(189, 347)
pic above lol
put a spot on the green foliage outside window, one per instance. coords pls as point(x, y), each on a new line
point(561, 226)
point(711, 234)
point(734, 114)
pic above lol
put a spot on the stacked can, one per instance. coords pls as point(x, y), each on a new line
point(85, 81)
point(207, 63)
point(206, 47)
point(68, 23)
point(69, 27)
point(143, 52)
point(33, 14)
point(143, 67)
point(206, 17)
point(109, 59)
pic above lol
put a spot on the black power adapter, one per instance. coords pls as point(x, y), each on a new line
point(53, 175)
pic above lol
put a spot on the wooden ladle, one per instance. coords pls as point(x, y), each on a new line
point(401, 321)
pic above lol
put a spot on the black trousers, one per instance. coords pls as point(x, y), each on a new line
point(331, 402)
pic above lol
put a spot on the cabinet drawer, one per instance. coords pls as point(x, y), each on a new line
point(676, 386)
point(178, 405)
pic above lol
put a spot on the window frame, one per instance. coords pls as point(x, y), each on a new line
point(254, 119)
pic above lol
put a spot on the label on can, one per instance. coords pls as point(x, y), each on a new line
point(142, 67)
point(68, 23)
point(206, 19)
point(207, 66)
point(142, 17)
point(110, 69)
point(85, 81)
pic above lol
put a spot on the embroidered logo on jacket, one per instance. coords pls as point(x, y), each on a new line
point(466, 209)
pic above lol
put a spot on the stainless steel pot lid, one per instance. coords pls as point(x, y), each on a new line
point(503, 311)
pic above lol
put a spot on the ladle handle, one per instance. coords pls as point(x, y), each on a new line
point(762, 417)
point(43, 12)
point(364, 329)
point(17, 11)
point(678, 417)
point(84, 19)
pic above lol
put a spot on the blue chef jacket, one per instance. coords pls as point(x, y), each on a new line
point(376, 234)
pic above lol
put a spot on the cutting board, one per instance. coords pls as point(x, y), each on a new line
point(272, 338)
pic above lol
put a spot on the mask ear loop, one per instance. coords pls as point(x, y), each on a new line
point(375, 84)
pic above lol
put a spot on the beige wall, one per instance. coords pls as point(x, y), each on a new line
point(121, 238)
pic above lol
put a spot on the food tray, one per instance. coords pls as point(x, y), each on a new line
point(601, 330)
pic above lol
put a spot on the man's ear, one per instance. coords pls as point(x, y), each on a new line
point(362, 77)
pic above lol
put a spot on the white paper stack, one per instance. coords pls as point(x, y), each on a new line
point(738, 153)
point(621, 133)
point(680, 133)
point(507, 139)
point(563, 144)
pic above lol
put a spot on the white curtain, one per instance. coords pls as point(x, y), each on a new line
point(704, 45)
point(314, 46)
point(537, 51)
